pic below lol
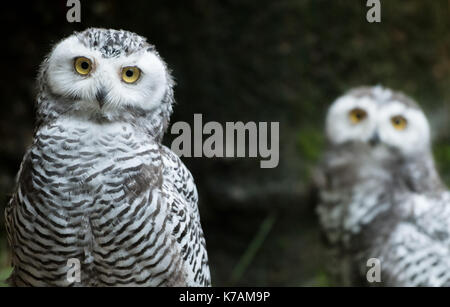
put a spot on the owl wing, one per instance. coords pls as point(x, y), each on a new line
point(8, 218)
point(11, 209)
point(8, 224)
point(417, 252)
point(180, 191)
point(352, 195)
point(333, 195)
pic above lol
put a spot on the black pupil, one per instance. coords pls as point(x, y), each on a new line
point(85, 65)
point(129, 73)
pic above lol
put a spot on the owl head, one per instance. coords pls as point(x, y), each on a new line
point(106, 75)
point(379, 117)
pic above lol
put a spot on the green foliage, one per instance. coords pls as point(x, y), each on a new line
point(310, 143)
point(321, 279)
point(5, 269)
point(442, 155)
point(254, 246)
point(4, 274)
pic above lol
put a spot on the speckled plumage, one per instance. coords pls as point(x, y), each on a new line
point(98, 185)
point(385, 201)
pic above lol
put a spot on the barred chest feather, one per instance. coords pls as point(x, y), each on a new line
point(93, 192)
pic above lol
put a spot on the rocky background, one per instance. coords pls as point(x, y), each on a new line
point(252, 60)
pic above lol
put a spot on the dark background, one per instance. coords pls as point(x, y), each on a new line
point(258, 60)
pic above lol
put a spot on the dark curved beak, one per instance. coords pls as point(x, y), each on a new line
point(100, 96)
point(375, 139)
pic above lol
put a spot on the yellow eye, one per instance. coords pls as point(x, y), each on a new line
point(357, 115)
point(82, 65)
point(399, 122)
point(130, 74)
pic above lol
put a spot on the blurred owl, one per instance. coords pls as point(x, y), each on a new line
point(380, 194)
point(97, 185)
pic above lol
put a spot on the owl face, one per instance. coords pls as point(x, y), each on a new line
point(403, 128)
point(379, 117)
point(105, 72)
point(351, 120)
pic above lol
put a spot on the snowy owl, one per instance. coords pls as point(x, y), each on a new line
point(99, 201)
point(380, 194)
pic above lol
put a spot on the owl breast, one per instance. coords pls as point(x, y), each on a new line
point(93, 192)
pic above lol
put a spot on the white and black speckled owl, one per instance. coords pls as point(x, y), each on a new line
point(380, 194)
point(97, 184)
